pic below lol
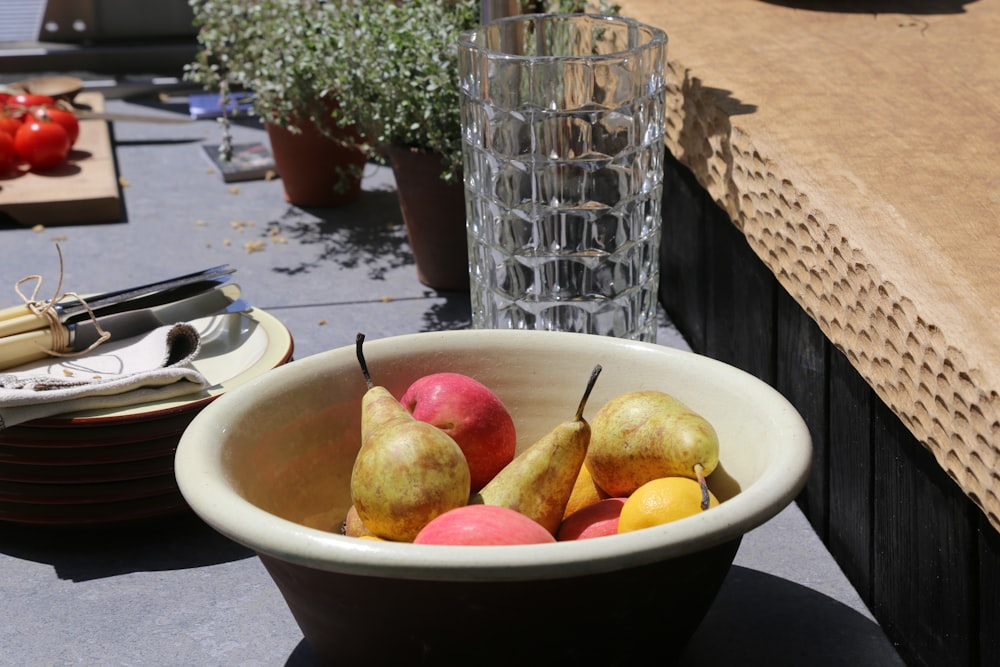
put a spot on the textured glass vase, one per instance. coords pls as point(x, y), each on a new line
point(562, 121)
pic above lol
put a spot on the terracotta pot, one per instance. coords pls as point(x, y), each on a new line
point(434, 214)
point(315, 169)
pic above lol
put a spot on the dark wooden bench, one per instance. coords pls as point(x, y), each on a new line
point(830, 226)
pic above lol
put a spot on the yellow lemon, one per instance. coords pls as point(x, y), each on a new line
point(660, 501)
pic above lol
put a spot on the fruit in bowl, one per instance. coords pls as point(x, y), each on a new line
point(269, 465)
point(407, 471)
point(539, 481)
point(599, 519)
point(664, 438)
point(469, 412)
point(482, 525)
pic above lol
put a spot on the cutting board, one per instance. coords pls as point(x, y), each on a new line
point(84, 190)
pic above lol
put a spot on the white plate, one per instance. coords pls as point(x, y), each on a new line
point(235, 348)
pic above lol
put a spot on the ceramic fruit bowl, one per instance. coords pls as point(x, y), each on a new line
point(269, 463)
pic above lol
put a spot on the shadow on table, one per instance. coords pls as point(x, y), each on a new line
point(368, 234)
point(84, 553)
point(454, 312)
point(762, 620)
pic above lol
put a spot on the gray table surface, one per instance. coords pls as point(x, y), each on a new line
point(174, 592)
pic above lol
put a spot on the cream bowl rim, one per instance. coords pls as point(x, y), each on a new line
point(202, 481)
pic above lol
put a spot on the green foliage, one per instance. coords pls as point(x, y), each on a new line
point(391, 66)
point(271, 47)
point(394, 68)
point(569, 6)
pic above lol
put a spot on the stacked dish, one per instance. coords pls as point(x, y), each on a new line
point(116, 465)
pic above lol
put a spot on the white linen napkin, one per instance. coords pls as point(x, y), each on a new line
point(151, 367)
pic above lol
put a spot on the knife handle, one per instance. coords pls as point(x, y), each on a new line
point(19, 319)
point(13, 311)
point(24, 347)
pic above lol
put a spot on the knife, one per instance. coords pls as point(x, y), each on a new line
point(33, 345)
point(83, 114)
point(160, 298)
point(19, 319)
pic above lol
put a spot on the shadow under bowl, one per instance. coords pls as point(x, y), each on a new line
point(268, 465)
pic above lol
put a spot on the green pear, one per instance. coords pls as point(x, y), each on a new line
point(539, 481)
point(407, 472)
point(640, 436)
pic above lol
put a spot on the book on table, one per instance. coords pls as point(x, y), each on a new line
point(248, 162)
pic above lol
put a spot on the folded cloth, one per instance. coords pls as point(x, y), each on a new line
point(151, 367)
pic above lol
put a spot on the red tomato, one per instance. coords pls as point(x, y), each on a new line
point(7, 152)
point(21, 104)
point(62, 117)
point(32, 100)
point(9, 123)
point(42, 145)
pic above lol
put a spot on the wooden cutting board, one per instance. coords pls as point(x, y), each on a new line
point(84, 190)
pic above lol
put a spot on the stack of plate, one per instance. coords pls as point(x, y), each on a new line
point(116, 465)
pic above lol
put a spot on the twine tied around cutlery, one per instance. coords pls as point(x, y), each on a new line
point(47, 310)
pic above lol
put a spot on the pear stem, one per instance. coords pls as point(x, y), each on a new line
point(586, 392)
point(699, 470)
point(361, 360)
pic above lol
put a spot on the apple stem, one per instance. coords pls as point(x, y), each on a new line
point(586, 392)
point(699, 470)
point(361, 360)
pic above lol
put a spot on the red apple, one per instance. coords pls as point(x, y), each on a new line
point(600, 518)
point(482, 525)
point(471, 414)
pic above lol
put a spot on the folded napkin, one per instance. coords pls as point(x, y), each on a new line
point(151, 367)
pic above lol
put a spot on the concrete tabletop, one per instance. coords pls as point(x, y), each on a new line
point(173, 591)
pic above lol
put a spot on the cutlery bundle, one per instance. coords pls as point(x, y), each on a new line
point(69, 326)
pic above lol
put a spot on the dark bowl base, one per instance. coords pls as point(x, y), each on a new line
point(624, 617)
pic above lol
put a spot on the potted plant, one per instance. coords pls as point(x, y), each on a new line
point(274, 49)
point(395, 73)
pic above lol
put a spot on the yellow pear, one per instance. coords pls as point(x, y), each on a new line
point(585, 492)
point(407, 472)
point(539, 481)
point(644, 435)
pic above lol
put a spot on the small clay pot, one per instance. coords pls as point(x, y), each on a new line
point(434, 214)
point(317, 170)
